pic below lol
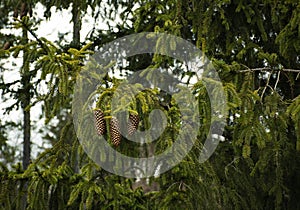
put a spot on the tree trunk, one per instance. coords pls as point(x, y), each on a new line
point(76, 19)
point(25, 100)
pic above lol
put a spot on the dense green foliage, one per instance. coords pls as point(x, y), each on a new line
point(254, 46)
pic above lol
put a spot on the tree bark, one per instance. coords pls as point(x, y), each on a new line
point(25, 96)
point(25, 100)
point(76, 19)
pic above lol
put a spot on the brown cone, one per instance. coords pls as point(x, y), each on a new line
point(6, 46)
point(133, 123)
point(100, 124)
point(115, 133)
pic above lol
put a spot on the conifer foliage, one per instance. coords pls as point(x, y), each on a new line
point(255, 48)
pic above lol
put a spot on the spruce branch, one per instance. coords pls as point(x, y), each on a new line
point(43, 46)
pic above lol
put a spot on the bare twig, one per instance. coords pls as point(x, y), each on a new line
point(269, 69)
point(277, 80)
point(267, 85)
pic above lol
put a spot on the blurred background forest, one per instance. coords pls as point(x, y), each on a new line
point(254, 46)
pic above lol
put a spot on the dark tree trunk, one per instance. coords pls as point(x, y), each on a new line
point(25, 100)
point(76, 19)
point(25, 97)
point(26, 128)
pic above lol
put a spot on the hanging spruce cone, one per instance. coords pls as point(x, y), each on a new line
point(30, 11)
point(16, 13)
point(24, 10)
point(6, 46)
point(115, 133)
point(133, 123)
point(100, 124)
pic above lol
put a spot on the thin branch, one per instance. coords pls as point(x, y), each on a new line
point(35, 36)
point(267, 85)
point(7, 85)
point(268, 69)
point(275, 86)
